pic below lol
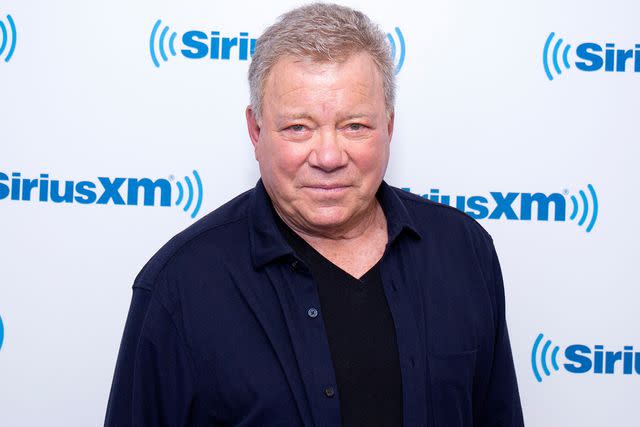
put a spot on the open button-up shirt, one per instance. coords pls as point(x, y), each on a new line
point(225, 326)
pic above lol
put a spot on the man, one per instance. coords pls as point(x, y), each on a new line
point(323, 296)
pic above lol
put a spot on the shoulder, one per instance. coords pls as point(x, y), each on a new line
point(450, 232)
point(218, 231)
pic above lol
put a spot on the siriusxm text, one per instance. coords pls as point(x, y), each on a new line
point(510, 206)
point(582, 359)
point(200, 45)
point(595, 57)
point(118, 191)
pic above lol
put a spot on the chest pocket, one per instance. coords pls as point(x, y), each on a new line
point(451, 377)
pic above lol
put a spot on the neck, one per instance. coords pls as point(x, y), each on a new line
point(354, 249)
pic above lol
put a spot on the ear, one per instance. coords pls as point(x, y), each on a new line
point(392, 116)
point(252, 126)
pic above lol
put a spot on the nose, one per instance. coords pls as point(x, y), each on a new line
point(328, 152)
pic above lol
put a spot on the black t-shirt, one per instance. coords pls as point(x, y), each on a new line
point(361, 335)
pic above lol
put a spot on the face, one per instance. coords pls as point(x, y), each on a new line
point(323, 141)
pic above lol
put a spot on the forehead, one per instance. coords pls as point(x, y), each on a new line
point(303, 83)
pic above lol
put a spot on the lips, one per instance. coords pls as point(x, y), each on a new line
point(327, 187)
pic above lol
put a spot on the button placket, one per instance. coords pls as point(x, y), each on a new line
point(315, 358)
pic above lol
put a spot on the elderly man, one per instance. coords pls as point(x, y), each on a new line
point(323, 296)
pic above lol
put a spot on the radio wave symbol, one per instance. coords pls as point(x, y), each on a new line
point(161, 43)
point(1, 332)
point(543, 358)
point(400, 59)
point(8, 38)
point(191, 194)
point(555, 54)
point(584, 202)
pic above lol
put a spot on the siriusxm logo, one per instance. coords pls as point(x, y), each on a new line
point(199, 44)
point(212, 45)
point(520, 206)
point(583, 359)
point(591, 57)
point(1, 333)
point(104, 190)
point(8, 36)
point(397, 54)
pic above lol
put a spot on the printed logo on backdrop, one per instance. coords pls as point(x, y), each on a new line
point(591, 56)
point(1, 333)
point(8, 37)
point(184, 194)
point(580, 207)
point(582, 359)
point(165, 44)
point(397, 53)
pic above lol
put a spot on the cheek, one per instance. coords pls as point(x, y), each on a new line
point(288, 158)
point(372, 161)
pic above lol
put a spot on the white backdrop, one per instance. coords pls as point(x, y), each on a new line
point(81, 98)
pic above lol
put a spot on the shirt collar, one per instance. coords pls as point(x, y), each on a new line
point(268, 244)
point(398, 218)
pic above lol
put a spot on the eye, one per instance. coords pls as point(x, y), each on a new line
point(355, 127)
point(297, 132)
point(297, 128)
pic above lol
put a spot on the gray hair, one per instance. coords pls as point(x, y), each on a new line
point(324, 33)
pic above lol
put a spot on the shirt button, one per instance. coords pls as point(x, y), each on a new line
point(312, 312)
point(329, 391)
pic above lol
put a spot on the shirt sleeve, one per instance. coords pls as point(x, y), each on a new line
point(153, 384)
point(502, 406)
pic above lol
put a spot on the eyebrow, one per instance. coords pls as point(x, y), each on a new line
point(355, 116)
point(304, 115)
point(294, 116)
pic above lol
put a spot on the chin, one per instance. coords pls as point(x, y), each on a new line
point(327, 216)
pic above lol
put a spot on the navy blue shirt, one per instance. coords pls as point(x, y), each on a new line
point(222, 328)
point(361, 337)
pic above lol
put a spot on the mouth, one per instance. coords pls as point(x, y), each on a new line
point(327, 188)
